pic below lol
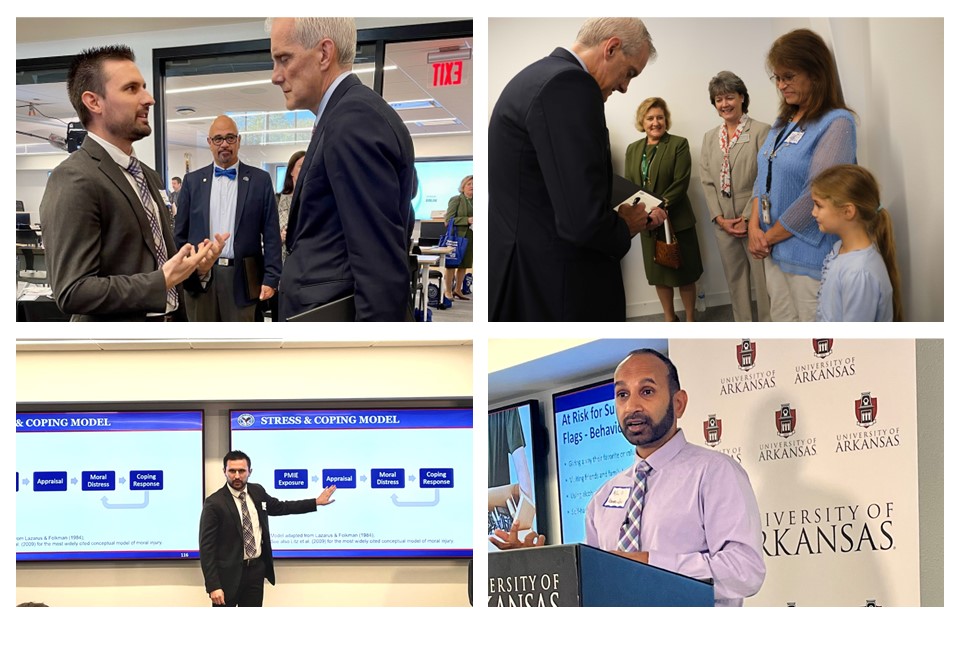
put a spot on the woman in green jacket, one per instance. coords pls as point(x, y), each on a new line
point(460, 208)
point(660, 164)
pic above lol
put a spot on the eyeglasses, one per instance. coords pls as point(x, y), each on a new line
point(786, 79)
point(220, 139)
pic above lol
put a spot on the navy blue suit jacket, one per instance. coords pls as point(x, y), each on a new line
point(349, 228)
point(555, 243)
point(256, 229)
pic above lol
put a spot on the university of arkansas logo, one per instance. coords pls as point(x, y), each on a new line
point(746, 355)
point(865, 408)
point(822, 347)
point(712, 428)
point(786, 420)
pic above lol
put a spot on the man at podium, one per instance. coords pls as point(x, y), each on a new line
point(678, 506)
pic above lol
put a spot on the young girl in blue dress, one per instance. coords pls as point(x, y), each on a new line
point(860, 280)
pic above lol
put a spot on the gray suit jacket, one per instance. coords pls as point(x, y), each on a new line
point(743, 170)
point(100, 255)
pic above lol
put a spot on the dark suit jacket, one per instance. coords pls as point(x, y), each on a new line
point(555, 241)
point(669, 176)
point(256, 229)
point(349, 227)
point(221, 535)
point(100, 255)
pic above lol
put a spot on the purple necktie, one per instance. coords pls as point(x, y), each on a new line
point(158, 243)
point(630, 530)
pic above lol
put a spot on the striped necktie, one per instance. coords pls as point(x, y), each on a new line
point(159, 244)
point(630, 530)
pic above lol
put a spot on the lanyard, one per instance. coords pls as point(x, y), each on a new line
point(776, 145)
point(645, 167)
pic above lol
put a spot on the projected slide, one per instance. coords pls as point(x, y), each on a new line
point(437, 182)
point(109, 486)
point(590, 450)
point(403, 477)
point(511, 493)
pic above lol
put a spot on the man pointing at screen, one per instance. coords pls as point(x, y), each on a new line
point(235, 551)
point(678, 506)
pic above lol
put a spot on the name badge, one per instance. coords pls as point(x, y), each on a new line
point(618, 497)
point(263, 506)
point(794, 137)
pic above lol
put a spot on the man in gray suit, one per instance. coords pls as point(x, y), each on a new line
point(110, 251)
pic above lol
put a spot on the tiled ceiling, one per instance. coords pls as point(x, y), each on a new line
point(44, 109)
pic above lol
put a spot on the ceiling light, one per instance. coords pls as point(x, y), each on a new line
point(388, 67)
point(204, 88)
point(414, 104)
point(444, 121)
point(192, 119)
point(439, 133)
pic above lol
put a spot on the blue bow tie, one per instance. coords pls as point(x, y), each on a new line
point(230, 174)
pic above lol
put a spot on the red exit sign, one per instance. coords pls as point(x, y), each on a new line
point(447, 73)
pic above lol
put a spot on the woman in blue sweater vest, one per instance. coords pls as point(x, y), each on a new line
point(814, 130)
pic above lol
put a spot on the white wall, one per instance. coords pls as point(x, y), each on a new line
point(212, 375)
point(897, 93)
point(930, 435)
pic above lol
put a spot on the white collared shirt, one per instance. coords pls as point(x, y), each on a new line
point(252, 509)
point(579, 59)
point(326, 95)
point(223, 207)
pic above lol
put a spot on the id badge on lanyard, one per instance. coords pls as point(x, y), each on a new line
point(792, 139)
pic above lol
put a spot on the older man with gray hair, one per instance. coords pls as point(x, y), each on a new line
point(350, 220)
point(555, 243)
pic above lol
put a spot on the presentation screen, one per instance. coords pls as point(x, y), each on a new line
point(118, 485)
point(511, 469)
point(403, 478)
point(590, 450)
point(437, 181)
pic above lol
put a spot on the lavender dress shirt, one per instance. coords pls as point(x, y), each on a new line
point(700, 518)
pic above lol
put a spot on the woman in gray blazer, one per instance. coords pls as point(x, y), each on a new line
point(728, 168)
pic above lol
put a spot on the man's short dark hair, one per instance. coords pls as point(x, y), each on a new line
point(674, 377)
point(235, 455)
point(86, 74)
point(178, 180)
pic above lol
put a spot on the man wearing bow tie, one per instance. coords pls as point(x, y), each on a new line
point(234, 203)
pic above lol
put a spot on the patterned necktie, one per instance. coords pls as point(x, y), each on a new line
point(249, 543)
point(630, 530)
point(158, 243)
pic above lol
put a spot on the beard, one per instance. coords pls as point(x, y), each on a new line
point(138, 131)
point(652, 432)
point(130, 129)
